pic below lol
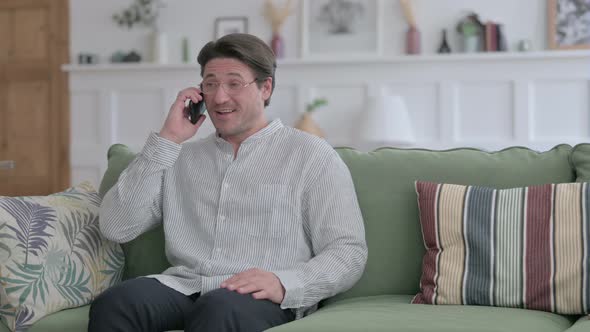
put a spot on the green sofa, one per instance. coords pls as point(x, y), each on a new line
point(384, 181)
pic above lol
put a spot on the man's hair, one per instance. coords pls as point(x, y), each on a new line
point(248, 49)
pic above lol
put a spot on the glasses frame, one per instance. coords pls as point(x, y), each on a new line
point(222, 85)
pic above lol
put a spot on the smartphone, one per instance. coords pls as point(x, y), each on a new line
point(196, 110)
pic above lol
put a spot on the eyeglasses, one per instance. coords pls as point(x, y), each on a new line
point(231, 87)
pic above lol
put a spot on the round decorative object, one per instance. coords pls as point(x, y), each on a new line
point(524, 45)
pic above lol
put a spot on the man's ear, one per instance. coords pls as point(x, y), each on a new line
point(266, 88)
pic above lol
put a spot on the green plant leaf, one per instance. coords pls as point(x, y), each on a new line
point(73, 285)
point(115, 261)
point(4, 246)
point(82, 233)
point(315, 104)
point(31, 279)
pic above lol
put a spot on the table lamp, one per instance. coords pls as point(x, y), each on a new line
point(386, 121)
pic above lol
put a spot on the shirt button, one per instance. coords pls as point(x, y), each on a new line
point(218, 250)
point(222, 218)
point(225, 185)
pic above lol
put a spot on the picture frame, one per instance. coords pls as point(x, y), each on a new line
point(230, 24)
point(568, 24)
point(341, 28)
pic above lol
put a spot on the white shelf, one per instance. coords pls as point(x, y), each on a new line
point(457, 57)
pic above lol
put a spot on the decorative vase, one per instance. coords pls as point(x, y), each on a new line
point(185, 51)
point(307, 124)
point(412, 40)
point(277, 45)
point(471, 43)
point(159, 47)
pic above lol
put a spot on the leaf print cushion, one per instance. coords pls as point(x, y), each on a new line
point(52, 255)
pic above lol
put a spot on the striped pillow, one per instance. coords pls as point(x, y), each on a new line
point(522, 247)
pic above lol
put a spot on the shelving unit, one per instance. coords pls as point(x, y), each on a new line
point(426, 58)
point(484, 100)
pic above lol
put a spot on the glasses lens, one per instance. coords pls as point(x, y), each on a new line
point(209, 87)
point(231, 87)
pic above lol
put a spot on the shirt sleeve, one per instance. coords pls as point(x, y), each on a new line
point(134, 204)
point(333, 222)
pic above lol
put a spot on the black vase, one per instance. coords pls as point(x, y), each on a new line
point(444, 45)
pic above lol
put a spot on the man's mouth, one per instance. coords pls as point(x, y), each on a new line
point(225, 111)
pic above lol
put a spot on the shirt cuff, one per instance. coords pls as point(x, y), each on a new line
point(293, 289)
point(161, 150)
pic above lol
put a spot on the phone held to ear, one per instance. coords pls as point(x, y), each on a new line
point(196, 110)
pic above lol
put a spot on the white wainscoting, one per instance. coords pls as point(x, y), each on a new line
point(489, 101)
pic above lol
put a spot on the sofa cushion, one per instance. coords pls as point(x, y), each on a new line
point(395, 313)
point(523, 247)
point(581, 325)
point(70, 320)
point(580, 158)
point(53, 255)
point(118, 157)
point(144, 255)
point(384, 182)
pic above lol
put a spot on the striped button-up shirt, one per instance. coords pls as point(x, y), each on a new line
point(285, 204)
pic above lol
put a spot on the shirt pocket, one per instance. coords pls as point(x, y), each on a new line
point(271, 211)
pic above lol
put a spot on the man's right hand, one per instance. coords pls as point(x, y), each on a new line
point(177, 127)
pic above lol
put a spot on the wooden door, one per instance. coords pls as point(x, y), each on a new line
point(34, 107)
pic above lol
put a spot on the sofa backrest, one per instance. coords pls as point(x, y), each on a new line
point(145, 255)
point(384, 182)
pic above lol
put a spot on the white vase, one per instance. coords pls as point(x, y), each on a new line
point(471, 44)
point(159, 47)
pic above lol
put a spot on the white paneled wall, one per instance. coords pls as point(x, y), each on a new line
point(487, 101)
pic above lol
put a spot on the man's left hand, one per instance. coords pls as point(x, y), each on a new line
point(263, 285)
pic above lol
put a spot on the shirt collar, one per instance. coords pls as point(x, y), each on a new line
point(270, 129)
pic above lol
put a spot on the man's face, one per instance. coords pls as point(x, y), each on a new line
point(237, 111)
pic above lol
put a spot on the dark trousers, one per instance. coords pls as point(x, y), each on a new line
point(144, 304)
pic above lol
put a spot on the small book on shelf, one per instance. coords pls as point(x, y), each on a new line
point(491, 37)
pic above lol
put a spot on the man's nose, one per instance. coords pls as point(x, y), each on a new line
point(220, 96)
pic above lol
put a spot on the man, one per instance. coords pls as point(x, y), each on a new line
point(261, 220)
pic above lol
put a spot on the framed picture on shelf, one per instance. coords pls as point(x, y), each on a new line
point(341, 28)
point(569, 24)
point(234, 24)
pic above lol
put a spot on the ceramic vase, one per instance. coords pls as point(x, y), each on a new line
point(277, 45)
point(159, 47)
point(307, 124)
point(413, 41)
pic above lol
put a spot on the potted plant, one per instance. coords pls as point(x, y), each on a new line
point(145, 13)
point(306, 122)
point(277, 17)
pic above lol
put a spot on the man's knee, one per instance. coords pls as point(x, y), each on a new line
point(220, 301)
point(224, 310)
point(117, 304)
point(114, 298)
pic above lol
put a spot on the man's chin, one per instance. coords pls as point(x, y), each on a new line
point(225, 132)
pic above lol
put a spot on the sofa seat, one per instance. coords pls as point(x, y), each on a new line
point(395, 313)
point(581, 325)
point(70, 320)
point(380, 313)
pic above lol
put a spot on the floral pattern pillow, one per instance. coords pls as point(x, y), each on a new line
point(52, 255)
